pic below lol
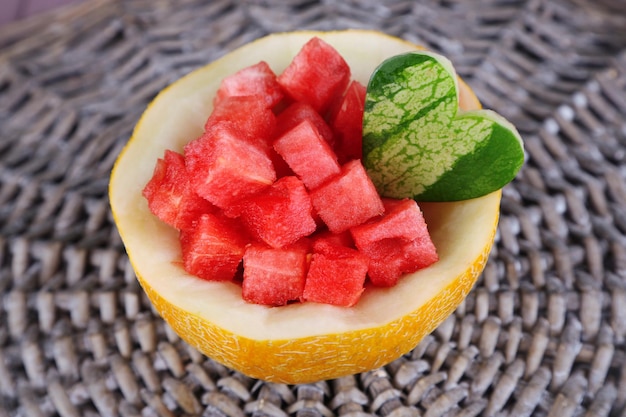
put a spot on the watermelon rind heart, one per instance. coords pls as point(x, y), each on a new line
point(418, 144)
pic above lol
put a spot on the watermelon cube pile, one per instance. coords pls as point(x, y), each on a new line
point(273, 194)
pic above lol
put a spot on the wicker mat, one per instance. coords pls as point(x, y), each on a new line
point(544, 331)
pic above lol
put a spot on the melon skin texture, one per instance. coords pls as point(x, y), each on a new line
point(304, 342)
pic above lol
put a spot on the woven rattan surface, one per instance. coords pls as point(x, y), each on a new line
point(544, 331)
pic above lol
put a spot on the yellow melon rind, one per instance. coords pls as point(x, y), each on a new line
point(320, 357)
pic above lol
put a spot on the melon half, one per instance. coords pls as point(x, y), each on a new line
point(302, 342)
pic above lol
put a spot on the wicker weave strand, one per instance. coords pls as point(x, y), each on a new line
point(542, 334)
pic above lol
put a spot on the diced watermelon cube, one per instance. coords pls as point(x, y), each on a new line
point(255, 80)
point(248, 115)
point(336, 277)
point(392, 258)
point(296, 113)
point(213, 248)
point(169, 193)
point(396, 243)
point(224, 168)
point(281, 214)
point(274, 276)
point(348, 199)
point(325, 241)
point(308, 154)
point(403, 219)
point(317, 75)
point(346, 122)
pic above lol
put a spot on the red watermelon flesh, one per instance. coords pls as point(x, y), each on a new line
point(317, 75)
point(298, 112)
point(336, 277)
point(307, 154)
point(348, 199)
point(169, 193)
point(326, 241)
point(389, 259)
point(396, 243)
point(402, 219)
point(346, 121)
point(281, 214)
point(272, 276)
point(256, 80)
point(248, 115)
point(213, 248)
point(224, 168)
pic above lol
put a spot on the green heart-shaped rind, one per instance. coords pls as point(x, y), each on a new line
point(404, 88)
point(418, 144)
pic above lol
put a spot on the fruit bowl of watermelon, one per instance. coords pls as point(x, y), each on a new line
point(259, 222)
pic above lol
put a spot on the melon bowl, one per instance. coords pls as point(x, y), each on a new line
point(302, 342)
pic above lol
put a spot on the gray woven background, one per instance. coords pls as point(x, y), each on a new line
point(544, 331)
